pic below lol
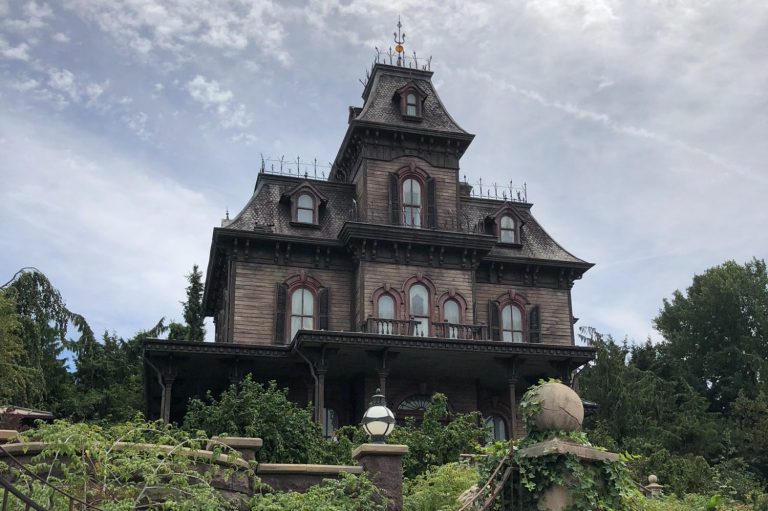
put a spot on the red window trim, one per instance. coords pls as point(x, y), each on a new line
point(420, 176)
point(510, 212)
point(419, 278)
point(301, 281)
point(513, 298)
point(386, 290)
point(453, 295)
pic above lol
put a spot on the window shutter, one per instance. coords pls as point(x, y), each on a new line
point(534, 325)
point(322, 309)
point(281, 308)
point(494, 327)
point(394, 200)
point(431, 203)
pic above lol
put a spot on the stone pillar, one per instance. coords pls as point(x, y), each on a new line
point(165, 403)
point(246, 446)
point(384, 465)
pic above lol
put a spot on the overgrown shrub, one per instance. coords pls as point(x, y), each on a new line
point(255, 410)
point(440, 437)
point(86, 461)
point(350, 493)
point(439, 488)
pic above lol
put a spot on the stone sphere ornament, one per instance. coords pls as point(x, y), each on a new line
point(561, 408)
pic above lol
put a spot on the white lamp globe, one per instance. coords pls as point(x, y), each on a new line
point(378, 420)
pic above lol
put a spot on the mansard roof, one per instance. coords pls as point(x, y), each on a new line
point(265, 211)
point(380, 108)
point(535, 242)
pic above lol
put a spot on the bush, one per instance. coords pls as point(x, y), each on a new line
point(436, 441)
point(350, 493)
point(83, 460)
point(439, 488)
point(255, 410)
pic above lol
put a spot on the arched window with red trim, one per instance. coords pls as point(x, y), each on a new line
point(412, 202)
point(511, 323)
point(419, 306)
point(302, 310)
point(507, 317)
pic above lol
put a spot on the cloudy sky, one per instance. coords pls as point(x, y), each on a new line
point(127, 128)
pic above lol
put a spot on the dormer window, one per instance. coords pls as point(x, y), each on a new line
point(411, 101)
point(305, 209)
point(507, 230)
point(305, 202)
point(410, 105)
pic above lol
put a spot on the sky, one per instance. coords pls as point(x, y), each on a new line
point(127, 129)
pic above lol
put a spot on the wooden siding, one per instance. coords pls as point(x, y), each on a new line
point(375, 183)
point(556, 323)
point(255, 299)
point(378, 274)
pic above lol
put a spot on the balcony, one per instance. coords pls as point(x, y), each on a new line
point(415, 328)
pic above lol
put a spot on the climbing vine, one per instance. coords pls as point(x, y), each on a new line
point(599, 486)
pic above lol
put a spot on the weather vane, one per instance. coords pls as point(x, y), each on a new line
point(399, 40)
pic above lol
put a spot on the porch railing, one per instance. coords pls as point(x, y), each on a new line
point(392, 326)
point(415, 328)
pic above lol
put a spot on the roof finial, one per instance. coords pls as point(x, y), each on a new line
point(227, 212)
point(399, 40)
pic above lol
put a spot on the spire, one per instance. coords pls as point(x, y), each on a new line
point(399, 40)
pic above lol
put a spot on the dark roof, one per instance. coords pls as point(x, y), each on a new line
point(265, 209)
point(535, 243)
point(379, 106)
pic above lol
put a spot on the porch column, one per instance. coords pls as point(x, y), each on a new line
point(383, 374)
point(321, 369)
point(165, 403)
point(512, 383)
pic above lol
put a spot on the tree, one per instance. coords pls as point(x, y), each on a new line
point(717, 333)
point(19, 382)
point(194, 318)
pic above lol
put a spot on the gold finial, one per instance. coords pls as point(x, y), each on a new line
point(399, 40)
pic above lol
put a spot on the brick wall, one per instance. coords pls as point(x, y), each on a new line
point(255, 293)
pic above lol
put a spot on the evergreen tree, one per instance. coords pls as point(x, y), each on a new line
point(193, 329)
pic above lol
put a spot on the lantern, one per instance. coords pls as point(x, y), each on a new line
point(378, 420)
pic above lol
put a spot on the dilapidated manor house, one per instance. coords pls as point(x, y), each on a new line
point(393, 273)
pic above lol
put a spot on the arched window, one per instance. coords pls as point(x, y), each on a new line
point(511, 323)
point(385, 312)
point(419, 308)
point(410, 105)
point(497, 428)
point(302, 310)
point(452, 316)
point(411, 203)
point(305, 209)
point(507, 230)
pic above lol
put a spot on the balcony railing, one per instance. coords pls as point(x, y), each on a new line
point(415, 328)
point(461, 331)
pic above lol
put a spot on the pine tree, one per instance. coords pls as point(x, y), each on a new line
point(193, 307)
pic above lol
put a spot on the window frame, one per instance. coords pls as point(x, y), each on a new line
point(298, 207)
point(401, 96)
point(512, 330)
point(289, 305)
point(515, 299)
point(414, 179)
point(302, 280)
point(430, 287)
point(517, 221)
point(503, 229)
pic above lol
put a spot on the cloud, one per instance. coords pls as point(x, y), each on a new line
point(70, 201)
point(180, 27)
point(34, 16)
point(20, 52)
point(60, 37)
point(212, 96)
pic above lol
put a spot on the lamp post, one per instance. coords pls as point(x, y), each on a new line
point(378, 420)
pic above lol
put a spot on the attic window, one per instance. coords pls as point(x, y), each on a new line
point(305, 209)
point(507, 231)
point(410, 105)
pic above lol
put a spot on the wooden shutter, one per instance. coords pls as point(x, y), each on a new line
point(431, 203)
point(494, 326)
point(394, 200)
point(281, 309)
point(322, 309)
point(534, 324)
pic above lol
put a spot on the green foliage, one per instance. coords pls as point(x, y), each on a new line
point(19, 382)
point(717, 333)
point(439, 488)
point(350, 493)
point(252, 409)
point(439, 438)
point(194, 317)
point(93, 462)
